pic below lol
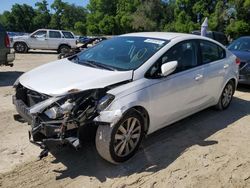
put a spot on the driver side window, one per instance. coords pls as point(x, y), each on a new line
point(39, 34)
point(185, 53)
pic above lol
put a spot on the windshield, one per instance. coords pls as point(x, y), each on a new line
point(121, 53)
point(241, 44)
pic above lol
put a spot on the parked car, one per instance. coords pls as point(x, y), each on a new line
point(241, 48)
point(45, 39)
point(88, 43)
point(83, 39)
point(127, 87)
point(218, 36)
point(7, 55)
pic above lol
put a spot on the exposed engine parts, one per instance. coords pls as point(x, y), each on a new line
point(59, 121)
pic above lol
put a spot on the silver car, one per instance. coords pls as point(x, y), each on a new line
point(45, 39)
point(125, 88)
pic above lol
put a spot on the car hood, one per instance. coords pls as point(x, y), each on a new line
point(243, 55)
point(58, 77)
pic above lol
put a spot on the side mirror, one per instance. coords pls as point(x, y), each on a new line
point(168, 68)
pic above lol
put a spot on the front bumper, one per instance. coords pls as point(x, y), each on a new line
point(43, 132)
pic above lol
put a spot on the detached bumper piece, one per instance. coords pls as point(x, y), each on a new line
point(53, 136)
point(44, 133)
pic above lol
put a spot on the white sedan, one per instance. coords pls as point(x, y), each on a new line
point(126, 87)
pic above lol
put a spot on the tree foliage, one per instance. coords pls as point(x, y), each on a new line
point(123, 16)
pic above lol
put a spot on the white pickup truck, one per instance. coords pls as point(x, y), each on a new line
point(45, 39)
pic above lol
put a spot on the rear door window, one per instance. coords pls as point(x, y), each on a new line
point(68, 35)
point(211, 52)
point(54, 34)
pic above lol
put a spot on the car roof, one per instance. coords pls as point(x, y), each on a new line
point(163, 35)
point(54, 30)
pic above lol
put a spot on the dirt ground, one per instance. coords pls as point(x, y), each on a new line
point(208, 149)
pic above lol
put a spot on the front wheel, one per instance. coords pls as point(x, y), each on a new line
point(120, 142)
point(226, 96)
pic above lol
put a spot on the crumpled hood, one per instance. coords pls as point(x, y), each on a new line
point(243, 55)
point(58, 77)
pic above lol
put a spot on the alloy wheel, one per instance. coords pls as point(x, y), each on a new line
point(127, 137)
point(227, 95)
point(20, 47)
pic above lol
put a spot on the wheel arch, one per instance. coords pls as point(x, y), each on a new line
point(21, 42)
point(234, 80)
point(63, 44)
point(144, 114)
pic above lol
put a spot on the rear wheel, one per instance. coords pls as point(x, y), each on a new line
point(20, 47)
point(120, 142)
point(63, 49)
point(226, 96)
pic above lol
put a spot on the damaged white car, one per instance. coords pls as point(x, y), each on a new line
point(127, 87)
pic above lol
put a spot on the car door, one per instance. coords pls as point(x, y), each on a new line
point(38, 40)
point(54, 39)
point(215, 66)
point(179, 94)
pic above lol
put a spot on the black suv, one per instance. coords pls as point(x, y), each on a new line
point(218, 36)
point(7, 55)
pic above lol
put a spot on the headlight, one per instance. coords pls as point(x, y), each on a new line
point(54, 112)
point(59, 111)
point(105, 101)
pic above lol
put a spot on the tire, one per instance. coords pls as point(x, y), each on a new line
point(63, 49)
point(111, 139)
point(20, 47)
point(226, 96)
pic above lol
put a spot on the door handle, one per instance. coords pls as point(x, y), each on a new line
point(198, 77)
point(226, 66)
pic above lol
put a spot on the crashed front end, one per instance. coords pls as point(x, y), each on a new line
point(59, 119)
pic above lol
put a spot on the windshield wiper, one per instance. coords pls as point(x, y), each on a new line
point(105, 66)
point(97, 65)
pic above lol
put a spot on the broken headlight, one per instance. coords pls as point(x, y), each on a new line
point(59, 111)
point(105, 101)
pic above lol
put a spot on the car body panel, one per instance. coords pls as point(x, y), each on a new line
point(55, 78)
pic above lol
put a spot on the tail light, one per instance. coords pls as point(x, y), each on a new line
point(7, 41)
point(237, 61)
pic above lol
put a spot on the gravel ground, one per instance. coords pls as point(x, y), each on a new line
point(208, 149)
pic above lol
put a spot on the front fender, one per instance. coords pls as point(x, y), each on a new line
point(120, 106)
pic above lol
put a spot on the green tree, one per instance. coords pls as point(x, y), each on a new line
point(56, 19)
point(148, 16)
point(124, 17)
point(101, 12)
point(20, 18)
point(238, 28)
point(43, 17)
